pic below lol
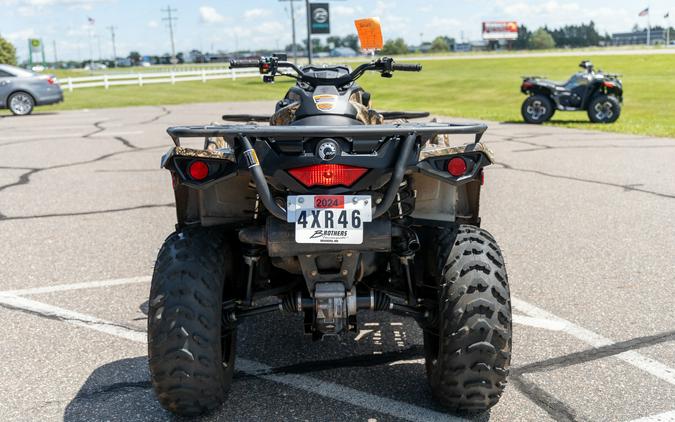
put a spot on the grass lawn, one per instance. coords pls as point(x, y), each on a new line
point(477, 88)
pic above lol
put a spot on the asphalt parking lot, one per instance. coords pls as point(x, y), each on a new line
point(586, 221)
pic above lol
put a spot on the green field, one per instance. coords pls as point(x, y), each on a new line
point(475, 88)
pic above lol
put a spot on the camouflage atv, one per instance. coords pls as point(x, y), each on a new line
point(328, 212)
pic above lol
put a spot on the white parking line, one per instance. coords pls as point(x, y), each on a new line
point(326, 389)
point(546, 324)
point(71, 317)
point(76, 286)
point(349, 395)
point(642, 362)
point(661, 417)
point(535, 317)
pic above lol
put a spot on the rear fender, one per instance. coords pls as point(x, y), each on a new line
point(434, 161)
point(221, 163)
point(441, 197)
point(223, 197)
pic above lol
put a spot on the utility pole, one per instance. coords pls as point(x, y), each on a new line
point(56, 59)
point(170, 19)
point(295, 48)
point(112, 36)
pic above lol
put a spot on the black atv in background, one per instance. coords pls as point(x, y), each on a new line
point(325, 213)
point(600, 94)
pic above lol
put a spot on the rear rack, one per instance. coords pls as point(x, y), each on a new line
point(407, 132)
point(425, 131)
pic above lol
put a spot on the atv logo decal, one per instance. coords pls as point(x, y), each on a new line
point(327, 150)
point(325, 102)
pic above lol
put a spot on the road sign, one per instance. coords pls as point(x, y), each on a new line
point(319, 18)
point(35, 45)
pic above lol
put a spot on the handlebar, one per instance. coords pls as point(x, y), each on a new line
point(244, 63)
point(269, 67)
point(406, 67)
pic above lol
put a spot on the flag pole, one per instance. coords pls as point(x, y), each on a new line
point(649, 29)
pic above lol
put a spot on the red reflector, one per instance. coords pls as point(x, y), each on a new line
point(327, 174)
point(198, 170)
point(608, 84)
point(457, 166)
point(527, 85)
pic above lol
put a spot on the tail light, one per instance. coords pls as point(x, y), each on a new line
point(608, 84)
point(328, 175)
point(457, 166)
point(51, 80)
point(527, 85)
point(198, 170)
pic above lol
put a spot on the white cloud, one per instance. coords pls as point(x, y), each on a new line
point(20, 35)
point(208, 14)
point(340, 10)
point(256, 13)
point(153, 24)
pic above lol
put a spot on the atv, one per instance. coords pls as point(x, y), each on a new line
point(327, 212)
point(600, 94)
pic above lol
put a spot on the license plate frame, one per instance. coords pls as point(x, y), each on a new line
point(329, 219)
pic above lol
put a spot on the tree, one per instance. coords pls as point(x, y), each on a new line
point(351, 41)
point(439, 44)
point(523, 39)
point(541, 39)
point(7, 52)
point(397, 46)
point(135, 57)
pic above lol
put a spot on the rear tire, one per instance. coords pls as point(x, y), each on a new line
point(191, 350)
point(20, 103)
point(468, 348)
point(537, 109)
point(604, 109)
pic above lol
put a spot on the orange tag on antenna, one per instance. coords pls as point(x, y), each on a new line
point(370, 33)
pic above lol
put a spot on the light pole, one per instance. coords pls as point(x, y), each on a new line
point(309, 33)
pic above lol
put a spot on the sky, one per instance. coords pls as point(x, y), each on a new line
point(250, 24)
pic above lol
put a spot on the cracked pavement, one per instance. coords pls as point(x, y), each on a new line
point(586, 221)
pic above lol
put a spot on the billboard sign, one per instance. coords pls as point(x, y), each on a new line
point(500, 30)
point(319, 18)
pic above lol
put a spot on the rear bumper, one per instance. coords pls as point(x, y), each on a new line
point(51, 98)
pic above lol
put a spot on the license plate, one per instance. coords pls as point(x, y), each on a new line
point(329, 218)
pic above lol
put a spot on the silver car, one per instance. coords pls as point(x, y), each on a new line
point(21, 90)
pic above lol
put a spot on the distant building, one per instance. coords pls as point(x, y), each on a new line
point(658, 36)
point(343, 52)
point(462, 47)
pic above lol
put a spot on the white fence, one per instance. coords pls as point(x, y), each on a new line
point(142, 78)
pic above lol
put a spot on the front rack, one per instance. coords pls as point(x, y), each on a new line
point(425, 131)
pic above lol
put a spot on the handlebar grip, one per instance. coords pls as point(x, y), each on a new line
point(244, 63)
point(407, 67)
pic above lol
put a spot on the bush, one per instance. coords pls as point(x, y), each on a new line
point(7, 52)
point(541, 39)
